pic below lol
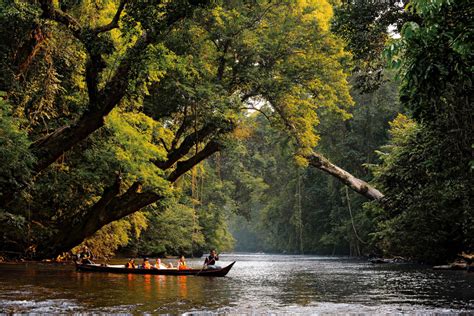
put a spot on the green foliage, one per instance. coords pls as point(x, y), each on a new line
point(37, 68)
point(427, 214)
point(213, 220)
point(133, 144)
point(105, 242)
point(367, 26)
point(16, 162)
point(124, 147)
point(192, 224)
point(173, 231)
point(12, 232)
point(15, 158)
point(267, 177)
point(269, 183)
point(351, 145)
point(236, 51)
point(437, 62)
point(428, 209)
point(16, 20)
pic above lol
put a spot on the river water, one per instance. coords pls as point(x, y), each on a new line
point(258, 283)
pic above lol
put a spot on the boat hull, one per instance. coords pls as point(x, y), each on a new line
point(198, 272)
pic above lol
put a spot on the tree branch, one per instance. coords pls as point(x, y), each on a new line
point(181, 129)
point(322, 163)
point(116, 87)
point(114, 23)
point(51, 13)
point(258, 110)
point(249, 95)
point(188, 143)
point(184, 166)
point(360, 186)
point(50, 147)
point(222, 61)
point(109, 193)
point(112, 207)
point(163, 143)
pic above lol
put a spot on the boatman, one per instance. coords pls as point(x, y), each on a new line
point(210, 261)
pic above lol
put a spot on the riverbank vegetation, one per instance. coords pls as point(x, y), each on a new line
point(173, 127)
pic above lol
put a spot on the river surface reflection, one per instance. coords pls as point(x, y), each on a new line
point(258, 283)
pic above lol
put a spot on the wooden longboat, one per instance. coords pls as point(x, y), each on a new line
point(85, 267)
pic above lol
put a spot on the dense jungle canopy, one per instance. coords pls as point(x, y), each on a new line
point(169, 127)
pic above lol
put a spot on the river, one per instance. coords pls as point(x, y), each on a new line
point(258, 283)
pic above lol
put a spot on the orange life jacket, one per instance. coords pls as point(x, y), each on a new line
point(182, 265)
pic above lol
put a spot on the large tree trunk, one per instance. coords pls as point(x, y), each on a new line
point(322, 163)
point(111, 207)
point(360, 186)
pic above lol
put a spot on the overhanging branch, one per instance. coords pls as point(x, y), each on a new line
point(360, 186)
point(189, 142)
point(322, 163)
point(186, 165)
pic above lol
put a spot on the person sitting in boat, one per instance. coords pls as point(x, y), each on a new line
point(130, 264)
point(146, 264)
point(210, 261)
point(182, 264)
point(159, 265)
point(85, 255)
